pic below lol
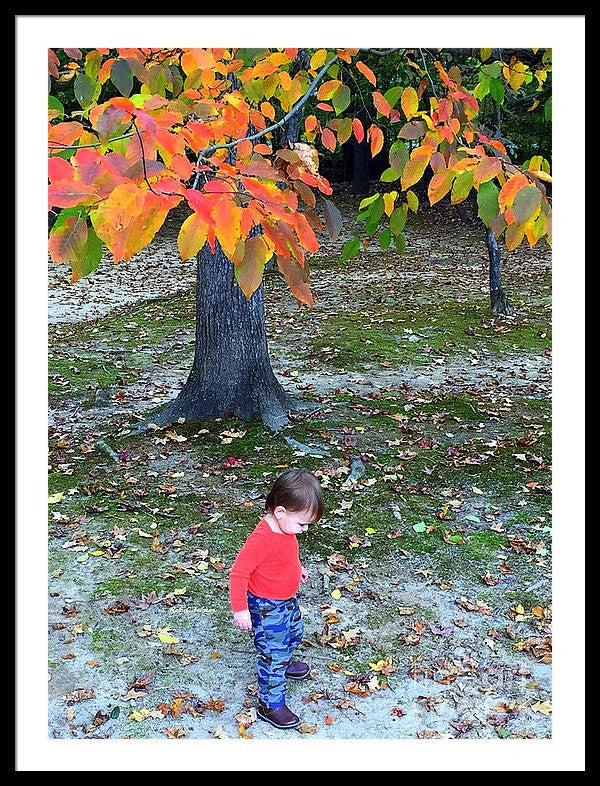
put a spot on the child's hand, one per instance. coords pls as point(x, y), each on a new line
point(242, 620)
point(303, 574)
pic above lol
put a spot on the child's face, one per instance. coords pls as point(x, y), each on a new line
point(293, 522)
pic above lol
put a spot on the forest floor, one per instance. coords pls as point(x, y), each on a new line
point(428, 607)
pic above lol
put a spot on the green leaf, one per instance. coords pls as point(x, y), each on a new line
point(138, 100)
point(492, 70)
point(121, 77)
point(341, 99)
point(249, 56)
point(255, 90)
point(54, 103)
point(497, 90)
point(503, 733)
point(385, 239)
point(84, 89)
point(461, 186)
point(400, 243)
point(482, 89)
point(412, 200)
point(92, 64)
point(79, 211)
point(548, 109)
point(487, 203)
point(115, 712)
point(368, 201)
point(420, 527)
point(351, 249)
point(389, 175)
point(392, 95)
point(398, 156)
point(398, 220)
point(377, 209)
point(526, 202)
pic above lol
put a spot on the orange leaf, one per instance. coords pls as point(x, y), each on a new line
point(328, 89)
point(328, 139)
point(268, 110)
point(68, 242)
point(328, 720)
point(244, 149)
point(228, 218)
point(366, 72)
point(439, 185)
point(128, 219)
point(381, 104)
point(293, 275)
point(311, 123)
point(509, 190)
point(487, 169)
point(285, 80)
point(325, 107)
point(359, 131)
point(375, 135)
point(413, 171)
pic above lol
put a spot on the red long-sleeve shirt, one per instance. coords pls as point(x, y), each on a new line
point(268, 565)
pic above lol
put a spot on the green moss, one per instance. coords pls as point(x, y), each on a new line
point(484, 545)
point(381, 335)
point(106, 640)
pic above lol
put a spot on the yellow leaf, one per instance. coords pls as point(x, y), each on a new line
point(537, 610)
point(53, 498)
point(409, 102)
point(388, 201)
point(475, 490)
point(192, 236)
point(545, 707)
point(166, 637)
point(336, 594)
point(318, 59)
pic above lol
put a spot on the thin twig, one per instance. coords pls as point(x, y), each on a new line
point(143, 157)
point(427, 72)
point(97, 144)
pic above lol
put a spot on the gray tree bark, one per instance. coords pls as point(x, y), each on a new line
point(232, 373)
point(498, 299)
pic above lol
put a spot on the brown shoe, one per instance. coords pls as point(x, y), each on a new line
point(297, 670)
point(280, 717)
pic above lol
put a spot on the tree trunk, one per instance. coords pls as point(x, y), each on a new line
point(232, 372)
point(499, 302)
point(360, 180)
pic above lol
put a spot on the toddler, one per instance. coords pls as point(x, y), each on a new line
point(263, 584)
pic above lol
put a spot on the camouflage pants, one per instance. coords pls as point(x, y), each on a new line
point(278, 628)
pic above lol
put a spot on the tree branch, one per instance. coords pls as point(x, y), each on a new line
point(207, 151)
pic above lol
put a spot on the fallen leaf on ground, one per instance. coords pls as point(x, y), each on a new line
point(174, 732)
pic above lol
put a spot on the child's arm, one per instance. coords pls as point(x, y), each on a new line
point(242, 620)
point(253, 552)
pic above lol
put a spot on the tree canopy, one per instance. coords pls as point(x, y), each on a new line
point(158, 127)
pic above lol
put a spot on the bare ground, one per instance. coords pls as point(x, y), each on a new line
point(437, 555)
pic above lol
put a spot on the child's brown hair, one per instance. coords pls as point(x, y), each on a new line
point(296, 489)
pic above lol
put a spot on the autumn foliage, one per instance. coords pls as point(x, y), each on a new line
point(197, 126)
